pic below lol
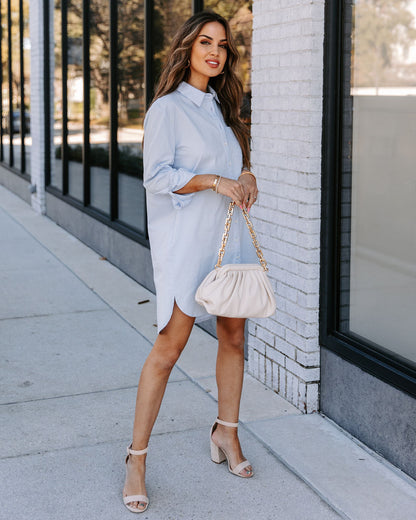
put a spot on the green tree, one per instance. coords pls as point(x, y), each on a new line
point(382, 35)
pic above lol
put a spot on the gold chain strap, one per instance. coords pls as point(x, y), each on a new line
point(227, 232)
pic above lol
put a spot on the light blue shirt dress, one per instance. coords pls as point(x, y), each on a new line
point(185, 135)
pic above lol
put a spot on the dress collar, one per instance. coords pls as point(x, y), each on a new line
point(196, 95)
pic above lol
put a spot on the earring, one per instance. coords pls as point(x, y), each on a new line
point(189, 63)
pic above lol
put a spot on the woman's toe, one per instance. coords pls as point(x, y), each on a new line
point(246, 472)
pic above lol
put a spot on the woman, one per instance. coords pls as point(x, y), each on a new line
point(196, 159)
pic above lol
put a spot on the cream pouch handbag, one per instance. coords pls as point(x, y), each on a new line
point(237, 290)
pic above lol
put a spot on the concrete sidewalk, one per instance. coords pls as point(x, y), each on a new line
point(74, 333)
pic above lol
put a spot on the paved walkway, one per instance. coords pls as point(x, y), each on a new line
point(74, 333)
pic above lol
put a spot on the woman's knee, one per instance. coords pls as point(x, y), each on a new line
point(235, 340)
point(166, 353)
point(232, 337)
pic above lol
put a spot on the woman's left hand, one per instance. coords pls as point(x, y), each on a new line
point(250, 189)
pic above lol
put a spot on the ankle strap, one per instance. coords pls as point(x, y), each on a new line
point(225, 423)
point(136, 452)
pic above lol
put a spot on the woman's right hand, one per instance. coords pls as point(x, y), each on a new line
point(232, 189)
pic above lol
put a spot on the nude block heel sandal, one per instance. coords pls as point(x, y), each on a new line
point(135, 498)
point(218, 455)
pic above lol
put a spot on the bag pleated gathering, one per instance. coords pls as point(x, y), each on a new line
point(244, 288)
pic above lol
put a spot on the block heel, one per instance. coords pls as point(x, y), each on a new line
point(217, 455)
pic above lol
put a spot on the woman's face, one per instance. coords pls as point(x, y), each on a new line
point(208, 54)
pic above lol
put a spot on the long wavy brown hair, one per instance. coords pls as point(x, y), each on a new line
point(227, 86)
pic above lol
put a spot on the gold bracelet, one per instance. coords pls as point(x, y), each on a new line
point(215, 183)
point(218, 183)
point(245, 172)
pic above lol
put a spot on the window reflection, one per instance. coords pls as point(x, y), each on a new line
point(5, 85)
point(26, 85)
point(15, 117)
point(56, 159)
point(75, 86)
point(378, 181)
point(15, 86)
point(384, 48)
point(131, 109)
point(168, 16)
point(100, 104)
point(240, 17)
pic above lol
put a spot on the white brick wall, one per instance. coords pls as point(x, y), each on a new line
point(37, 119)
point(286, 157)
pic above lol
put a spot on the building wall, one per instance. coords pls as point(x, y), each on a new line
point(287, 82)
point(37, 115)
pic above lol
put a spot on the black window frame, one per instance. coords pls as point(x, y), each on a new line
point(10, 164)
point(380, 362)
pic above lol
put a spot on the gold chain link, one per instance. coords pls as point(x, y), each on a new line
point(252, 234)
point(225, 234)
point(255, 241)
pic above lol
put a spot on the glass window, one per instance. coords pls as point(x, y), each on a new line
point(56, 156)
point(100, 105)
point(5, 85)
point(27, 140)
point(240, 17)
point(168, 16)
point(15, 86)
point(131, 109)
point(378, 183)
point(75, 100)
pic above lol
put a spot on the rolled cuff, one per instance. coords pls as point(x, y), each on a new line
point(182, 177)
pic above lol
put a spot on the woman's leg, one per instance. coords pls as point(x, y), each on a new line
point(153, 379)
point(230, 373)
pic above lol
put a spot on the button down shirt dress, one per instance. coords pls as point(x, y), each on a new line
point(185, 135)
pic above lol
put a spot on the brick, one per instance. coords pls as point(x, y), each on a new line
point(285, 348)
point(287, 206)
point(268, 373)
point(304, 373)
point(285, 319)
point(302, 396)
point(262, 369)
point(306, 315)
point(258, 345)
point(312, 397)
point(307, 330)
point(309, 301)
point(282, 381)
point(276, 328)
point(286, 291)
point(252, 328)
point(265, 336)
point(275, 356)
point(300, 342)
point(253, 363)
point(309, 210)
point(275, 377)
point(308, 359)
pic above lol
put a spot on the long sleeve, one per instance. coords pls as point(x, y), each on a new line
point(161, 177)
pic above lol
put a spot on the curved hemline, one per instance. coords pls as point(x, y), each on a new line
point(198, 319)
